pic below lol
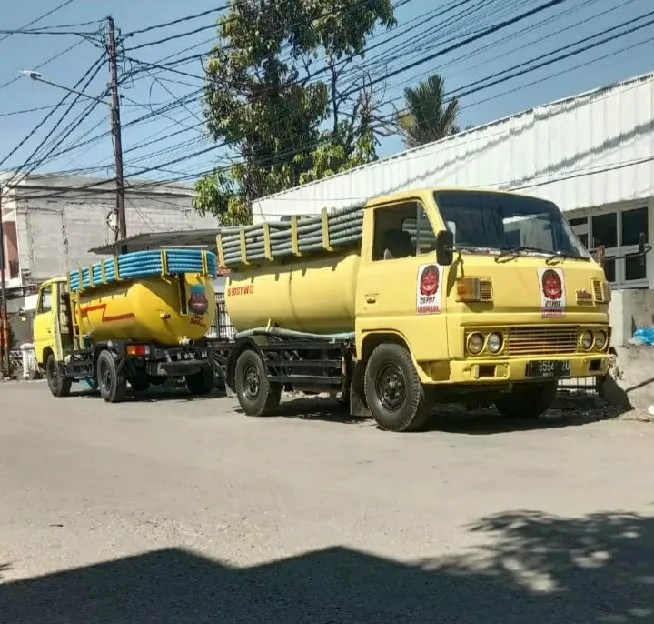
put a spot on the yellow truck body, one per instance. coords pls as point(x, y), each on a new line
point(493, 312)
point(146, 310)
point(121, 328)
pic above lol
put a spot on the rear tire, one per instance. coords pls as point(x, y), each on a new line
point(201, 383)
point(393, 390)
point(527, 400)
point(59, 385)
point(257, 396)
point(112, 384)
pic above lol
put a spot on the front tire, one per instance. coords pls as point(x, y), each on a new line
point(58, 384)
point(393, 389)
point(201, 383)
point(527, 400)
point(257, 396)
point(112, 384)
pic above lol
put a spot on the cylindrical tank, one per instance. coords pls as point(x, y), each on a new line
point(160, 309)
point(316, 295)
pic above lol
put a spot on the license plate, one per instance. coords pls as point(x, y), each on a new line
point(548, 368)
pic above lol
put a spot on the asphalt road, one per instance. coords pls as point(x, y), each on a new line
point(176, 511)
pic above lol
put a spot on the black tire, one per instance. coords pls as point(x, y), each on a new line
point(139, 383)
point(256, 395)
point(393, 390)
point(111, 383)
point(527, 400)
point(59, 385)
point(201, 383)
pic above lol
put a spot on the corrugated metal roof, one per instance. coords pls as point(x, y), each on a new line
point(154, 240)
point(588, 150)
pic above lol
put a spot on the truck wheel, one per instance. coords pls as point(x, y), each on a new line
point(112, 385)
point(58, 384)
point(200, 383)
point(527, 401)
point(393, 390)
point(256, 395)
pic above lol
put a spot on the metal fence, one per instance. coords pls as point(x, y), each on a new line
point(222, 327)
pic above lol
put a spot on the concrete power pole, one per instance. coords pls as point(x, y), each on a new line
point(121, 230)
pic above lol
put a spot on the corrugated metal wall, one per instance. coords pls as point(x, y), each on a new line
point(590, 150)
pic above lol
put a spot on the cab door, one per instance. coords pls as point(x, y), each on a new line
point(401, 289)
point(44, 323)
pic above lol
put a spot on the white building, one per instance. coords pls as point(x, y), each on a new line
point(592, 154)
point(51, 222)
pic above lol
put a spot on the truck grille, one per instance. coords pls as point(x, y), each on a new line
point(545, 340)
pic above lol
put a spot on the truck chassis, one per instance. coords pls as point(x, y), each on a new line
point(109, 366)
point(383, 385)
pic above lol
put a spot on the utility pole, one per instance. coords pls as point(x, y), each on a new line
point(4, 322)
point(121, 230)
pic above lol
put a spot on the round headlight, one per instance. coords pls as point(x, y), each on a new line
point(600, 340)
point(495, 342)
point(586, 340)
point(475, 343)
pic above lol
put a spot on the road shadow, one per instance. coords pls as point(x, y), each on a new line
point(566, 412)
point(154, 394)
point(538, 569)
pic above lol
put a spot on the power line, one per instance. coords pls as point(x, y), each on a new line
point(95, 66)
point(488, 31)
point(38, 19)
point(186, 18)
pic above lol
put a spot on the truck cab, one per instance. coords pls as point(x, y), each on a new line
point(53, 332)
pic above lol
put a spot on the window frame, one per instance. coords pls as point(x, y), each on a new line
point(620, 250)
point(419, 216)
point(39, 305)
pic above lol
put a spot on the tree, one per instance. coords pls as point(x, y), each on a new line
point(426, 118)
point(283, 94)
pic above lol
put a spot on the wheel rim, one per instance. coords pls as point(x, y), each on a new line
point(105, 376)
point(252, 383)
point(390, 386)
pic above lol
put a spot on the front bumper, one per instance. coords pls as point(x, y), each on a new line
point(509, 370)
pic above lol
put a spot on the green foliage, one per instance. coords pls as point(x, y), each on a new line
point(426, 118)
point(281, 93)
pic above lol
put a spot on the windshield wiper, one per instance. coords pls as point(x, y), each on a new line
point(514, 251)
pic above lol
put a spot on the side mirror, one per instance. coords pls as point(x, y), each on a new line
point(445, 247)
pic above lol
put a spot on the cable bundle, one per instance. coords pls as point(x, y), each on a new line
point(343, 226)
point(139, 264)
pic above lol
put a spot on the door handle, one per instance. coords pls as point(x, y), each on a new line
point(371, 298)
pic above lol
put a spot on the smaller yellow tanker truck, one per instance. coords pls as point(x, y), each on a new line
point(416, 298)
point(137, 318)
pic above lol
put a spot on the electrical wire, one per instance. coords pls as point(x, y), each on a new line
point(38, 19)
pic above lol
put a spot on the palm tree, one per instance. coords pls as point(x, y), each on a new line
point(425, 118)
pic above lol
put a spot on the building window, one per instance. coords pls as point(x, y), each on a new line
point(618, 232)
point(634, 222)
point(605, 229)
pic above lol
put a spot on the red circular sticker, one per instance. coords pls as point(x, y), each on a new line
point(551, 282)
point(429, 281)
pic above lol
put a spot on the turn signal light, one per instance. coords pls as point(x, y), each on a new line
point(468, 289)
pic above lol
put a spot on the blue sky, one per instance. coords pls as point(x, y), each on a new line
point(538, 37)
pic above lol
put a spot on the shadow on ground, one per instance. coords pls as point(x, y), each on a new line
point(457, 419)
point(539, 569)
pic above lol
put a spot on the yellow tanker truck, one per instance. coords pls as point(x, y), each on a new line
point(137, 318)
point(420, 297)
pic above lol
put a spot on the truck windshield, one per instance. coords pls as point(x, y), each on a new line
point(484, 222)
